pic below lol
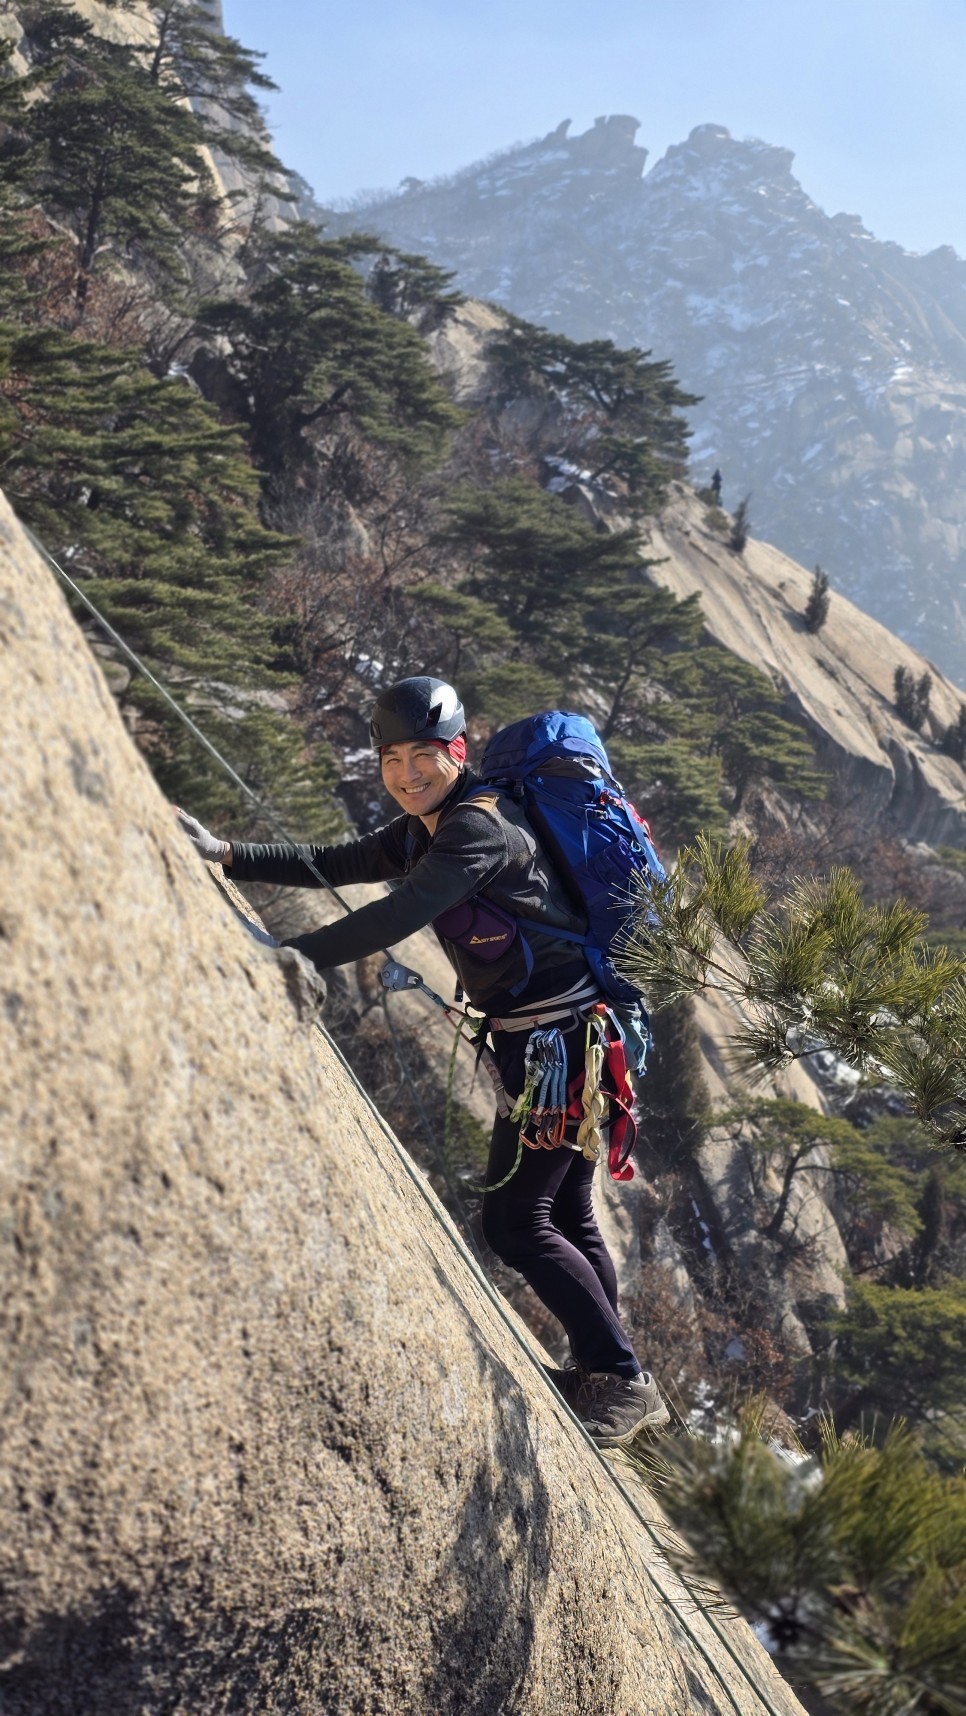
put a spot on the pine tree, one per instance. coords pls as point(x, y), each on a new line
point(625, 624)
point(783, 1142)
point(674, 1097)
point(618, 411)
point(817, 969)
point(953, 741)
point(412, 288)
point(851, 1563)
point(459, 630)
point(817, 607)
point(316, 363)
point(188, 57)
point(673, 784)
point(732, 709)
point(532, 558)
point(902, 1348)
point(109, 152)
point(511, 690)
point(912, 696)
point(149, 502)
point(930, 1230)
point(740, 527)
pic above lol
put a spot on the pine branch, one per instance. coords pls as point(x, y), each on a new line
point(818, 970)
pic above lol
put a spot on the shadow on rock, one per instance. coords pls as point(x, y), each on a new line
point(500, 1564)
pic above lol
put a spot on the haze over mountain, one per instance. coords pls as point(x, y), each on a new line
point(832, 365)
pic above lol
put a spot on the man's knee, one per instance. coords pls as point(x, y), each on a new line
point(509, 1228)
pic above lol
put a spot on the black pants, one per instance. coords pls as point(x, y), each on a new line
point(542, 1224)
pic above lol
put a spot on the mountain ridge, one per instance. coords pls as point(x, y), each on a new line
point(832, 364)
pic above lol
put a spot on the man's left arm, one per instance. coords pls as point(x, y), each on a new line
point(467, 852)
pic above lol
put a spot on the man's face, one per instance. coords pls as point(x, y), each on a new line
point(418, 775)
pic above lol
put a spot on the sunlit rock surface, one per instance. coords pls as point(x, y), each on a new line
point(266, 1445)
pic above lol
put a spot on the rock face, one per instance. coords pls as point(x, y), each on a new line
point(267, 1445)
point(832, 366)
point(839, 680)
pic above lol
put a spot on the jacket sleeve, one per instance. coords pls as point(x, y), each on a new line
point(468, 851)
point(377, 857)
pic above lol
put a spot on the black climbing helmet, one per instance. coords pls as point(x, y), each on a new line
point(416, 709)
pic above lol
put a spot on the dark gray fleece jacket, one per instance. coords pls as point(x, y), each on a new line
point(483, 846)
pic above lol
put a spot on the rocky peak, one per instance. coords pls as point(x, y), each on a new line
point(832, 367)
point(713, 147)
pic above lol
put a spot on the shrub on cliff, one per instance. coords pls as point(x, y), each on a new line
point(819, 600)
point(851, 1563)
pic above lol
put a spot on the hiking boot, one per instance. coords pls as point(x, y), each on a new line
point(614, 1408)
point(569, 1381)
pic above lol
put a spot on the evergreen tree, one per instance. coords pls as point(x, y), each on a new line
point(626, 623)
point(937, 1186)
point(731, 708)
point(510, 691)
point(902, 1349)
point(953, 741)
point(188, 57)
point(459, 629)
point(740, 527)
point(851, 1563)
point(315, 361)
point(781, 1142)
point(817, 606)
point(676, 786)
point(150, 502)
point(533, 557)
point(109, 152)
point(618, 411)
point(413, 289)
point(817, 969)
point(930, 1230)
point(674, 1096)
point(912, 696)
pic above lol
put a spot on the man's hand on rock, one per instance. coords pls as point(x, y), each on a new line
point(207, 846)
point(305, 983)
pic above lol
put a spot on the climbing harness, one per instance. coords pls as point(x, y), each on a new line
point(443, 1220)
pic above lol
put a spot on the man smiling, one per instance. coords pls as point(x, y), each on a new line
point(465, 860)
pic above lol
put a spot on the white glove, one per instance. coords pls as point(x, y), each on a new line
point(206, 845)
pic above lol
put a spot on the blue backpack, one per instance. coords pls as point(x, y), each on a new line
point(555, 764)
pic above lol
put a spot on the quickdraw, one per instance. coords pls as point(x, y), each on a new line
point(601, 1096)
point(542, 1104)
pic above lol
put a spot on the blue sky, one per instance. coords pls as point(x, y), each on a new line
point(870, 97)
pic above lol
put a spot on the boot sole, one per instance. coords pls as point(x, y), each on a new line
point(655, 1420)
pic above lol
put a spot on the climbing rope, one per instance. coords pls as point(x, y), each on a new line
point(268, 815)
point(592, 1098)
point(437, 1210)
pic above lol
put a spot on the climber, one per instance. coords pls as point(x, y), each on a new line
point(466, 862)
point(716, 487)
